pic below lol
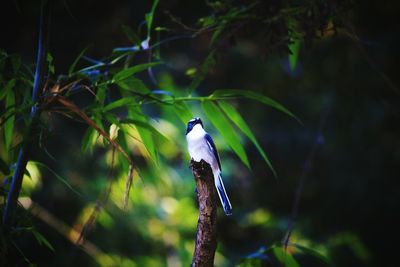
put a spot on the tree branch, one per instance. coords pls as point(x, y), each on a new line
point(206, 240)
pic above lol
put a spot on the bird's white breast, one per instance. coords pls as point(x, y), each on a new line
point(198, 147)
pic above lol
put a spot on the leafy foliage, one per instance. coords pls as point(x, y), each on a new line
point(134, 124)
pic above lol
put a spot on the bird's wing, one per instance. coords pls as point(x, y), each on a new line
point(211, 145)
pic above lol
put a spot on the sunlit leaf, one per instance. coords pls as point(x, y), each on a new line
point(232, 114)
point(146, 126)
point(183, 112)
point(220, 122)
point(9, 124)
point(125, 73)
point(145, 135)
point(89, 140)
point(119, 103)
point(254, 96)
point(284, 257)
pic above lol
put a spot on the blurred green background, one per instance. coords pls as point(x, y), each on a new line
point(349, 113)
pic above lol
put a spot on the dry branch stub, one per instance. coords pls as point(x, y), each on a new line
point(206, 239)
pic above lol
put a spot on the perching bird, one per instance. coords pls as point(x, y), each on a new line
point(201, 146)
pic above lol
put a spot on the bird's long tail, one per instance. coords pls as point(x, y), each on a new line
point(219, 185)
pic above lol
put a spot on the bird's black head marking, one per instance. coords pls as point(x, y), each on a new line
point(192, 123)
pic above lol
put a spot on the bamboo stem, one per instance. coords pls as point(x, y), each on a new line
point(31, 133)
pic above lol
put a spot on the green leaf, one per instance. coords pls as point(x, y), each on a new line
point(10, 84)
point(89, 139)
point(9, 124)
point(60, 178)
point(314, 253)
point(119, 103)
point(101, 93)
point(50, 62)
point(149, 18)
point(232, 114)
point(145, 126)
point(145, 134)
point(220, 122)
point(284, 257)
point(132, 36)
point(183, 112)
point(234, 93)
point(72, 67)
point(218, 32)
point(294, 46)
point(125, 73)
point(42, 240)
point(133, 84)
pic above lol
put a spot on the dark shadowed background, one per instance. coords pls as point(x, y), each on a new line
point(345, 93)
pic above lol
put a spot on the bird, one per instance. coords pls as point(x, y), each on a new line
point(201, 147)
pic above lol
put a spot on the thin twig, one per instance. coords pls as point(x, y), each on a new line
point(306, 169)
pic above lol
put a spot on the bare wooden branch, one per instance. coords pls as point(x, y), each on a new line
point(206, 240)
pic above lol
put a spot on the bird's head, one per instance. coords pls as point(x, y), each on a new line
point(193, 122)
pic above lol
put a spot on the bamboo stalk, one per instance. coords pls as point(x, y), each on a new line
point(31, 133)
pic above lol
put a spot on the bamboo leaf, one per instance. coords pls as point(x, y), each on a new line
point(183, 112)
point(294, 48)
point(128, 72)
point(314, 253)
point(88, 139)
point(145, 135)
point(119, 103)
point(72, 67)
point(284, 257)
point(101, 93)
point(234, 116)
point(146, 126)
point(9, 124)
point(294, 45)
point(149, 18)
point(42, 240)
point(71, 106)
point(220, 122)
point(254, 96)
point(133, 84)
point(132, 36)
point(10, 84)
point(59, 178)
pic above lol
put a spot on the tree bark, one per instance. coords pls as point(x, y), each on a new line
point(206, 240)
